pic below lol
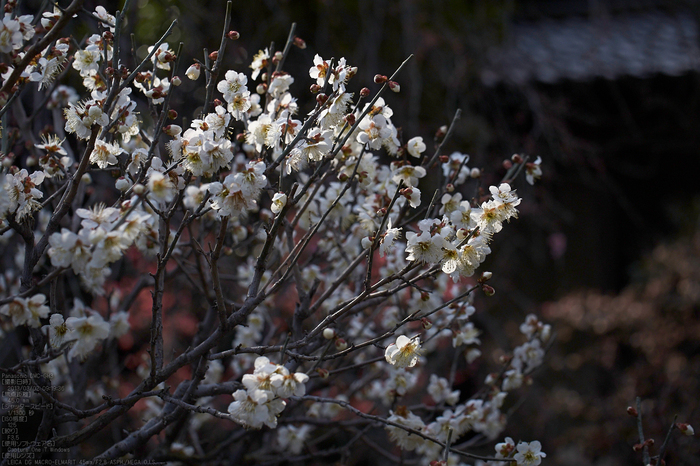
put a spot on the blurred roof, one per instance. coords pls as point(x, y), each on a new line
point(578, 48)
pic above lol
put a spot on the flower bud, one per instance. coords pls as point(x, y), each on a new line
point(86, 178)
point(685, 428)
point(323, 373)
point(139, 189)
point(341, 344)
point(350, 118)
point(444, 158)
point(122, 184)
point(193, 71)
point(450, 188)
point(299, 42)
point(366, 242)
point(516, 158)
point(315, 88)
point(380, 78)
point(172, 114)
point(441, 132)
point(328, 333)
point(176, 81)
point(632, 411)
point(172, 130)
point(31, 161)
point(233, 35)
point(278, 57)
point(217, 103)
point(261, 88)
point(485, 276)
point(364, 92)
point(488, 290)
point(394, 86)
point(546, 333)
point(507, 164)
point(214, 55)
point(475, 173)
point(321, 98)
point(426, 324)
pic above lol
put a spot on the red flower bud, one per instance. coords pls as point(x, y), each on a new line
point(299, 42)
point(364, 92)
point(233, 35)
point(380, 78)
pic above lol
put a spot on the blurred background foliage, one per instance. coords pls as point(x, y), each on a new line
point(607, 239)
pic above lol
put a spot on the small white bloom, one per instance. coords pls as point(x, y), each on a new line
point(403, 353)
point(529, 454)
point(88, 332)
point(279, 200)
point(415, 146)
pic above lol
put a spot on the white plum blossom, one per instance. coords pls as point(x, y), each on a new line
point(25, 311)
point(415, 146)
point(533, 170)
point(260, 62)
point(10, 34)
point(439, 388)
point(22, 193)
point(285, 384)
point(233, 84)
point(291, 438)
point(255, 408)
point(424, 247)
point(104, 154)
point(388, 238)
point(88, 332)
point(279, 200)
point(81, 117)
point(404, 439)
point(57, 330)
point(467, 335)
point(529, 454)
point(505, 448)
point(403, 353)
point(163, 56)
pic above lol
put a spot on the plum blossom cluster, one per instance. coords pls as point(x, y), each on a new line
point(162, 262)
point(262, 401)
